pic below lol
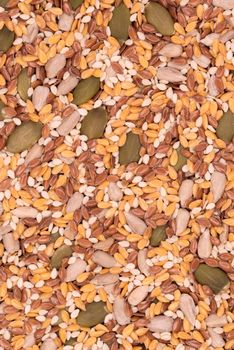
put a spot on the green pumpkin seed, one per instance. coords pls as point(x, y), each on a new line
point(3, 3)
point(213, 277)
point(62, 252)
point(225, 129)
point(94, 123)
point(76, 3)
point(182, 160)
point(85, 90)
point(130, 151)
point(2, 115)
point(54, 237)
point(120, 23)
point(6, 39)
point(24, 136)
point(158, 235)
point(23, 84)
point(94, 314)
point(160, 18)
point(71, 341)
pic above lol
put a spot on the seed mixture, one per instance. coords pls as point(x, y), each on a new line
point(116, 174)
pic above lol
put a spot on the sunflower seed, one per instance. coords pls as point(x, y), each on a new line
point(216, 339)
point(227, 36)
point(141, 262)
point(182, 220)
point(136, 224)
point(160, 324)
point(103, 259)
point(172, 75)
point(105, 279)
point(185, 191)
point(120, 311)
point(160, 18)
point(120, 22)
point(202, 61)
point(94, 314)
point(204, 247)
point(24, 136)
point(115, 193)
point(32, 32)
point(49, 344)
point(216, 321)
point(54, 65)
point(218, 183)
point(68, 123)
point(65, 22)
point(138, 295)
point(67, 85)
point(75, 269)
point(104, 245)
point(209, 39)
point(25, 212)
point(171, 50)
point(29, 341)
point(188, 308)
point(34, 153)
point(39, 98)
point(10, 243)
point(225, 4)
point(74, 202)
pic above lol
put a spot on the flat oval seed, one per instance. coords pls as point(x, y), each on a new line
point(225, 128)
point(158, 235)
point(85, 90)
point(213, 277)
point(24, 136)
point(160, 18)
point(23, 84)
point(129, 152)
point(76, 3)
point(6, 39)
point(62, 252)
point(94, 314)
point(120, 23)
point(182, 160)
point(94, 123)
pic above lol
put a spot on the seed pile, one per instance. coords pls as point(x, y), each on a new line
point(117, 174)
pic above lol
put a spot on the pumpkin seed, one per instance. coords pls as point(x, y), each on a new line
point(160, 18)
point(76, 3)
point(71, 341)
point(225, 129)
point(120, 23)
point(213, 277)
point(94, 123)
point(6, 39)
point(2, 114)
point(158, 235)
point(85, 90)
point(94, 314)
point(182, 160)
point(3, 3)
point(129, 152)
point(62, 252)
point(23, 84)
point(54, 237)
point(24, 136)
